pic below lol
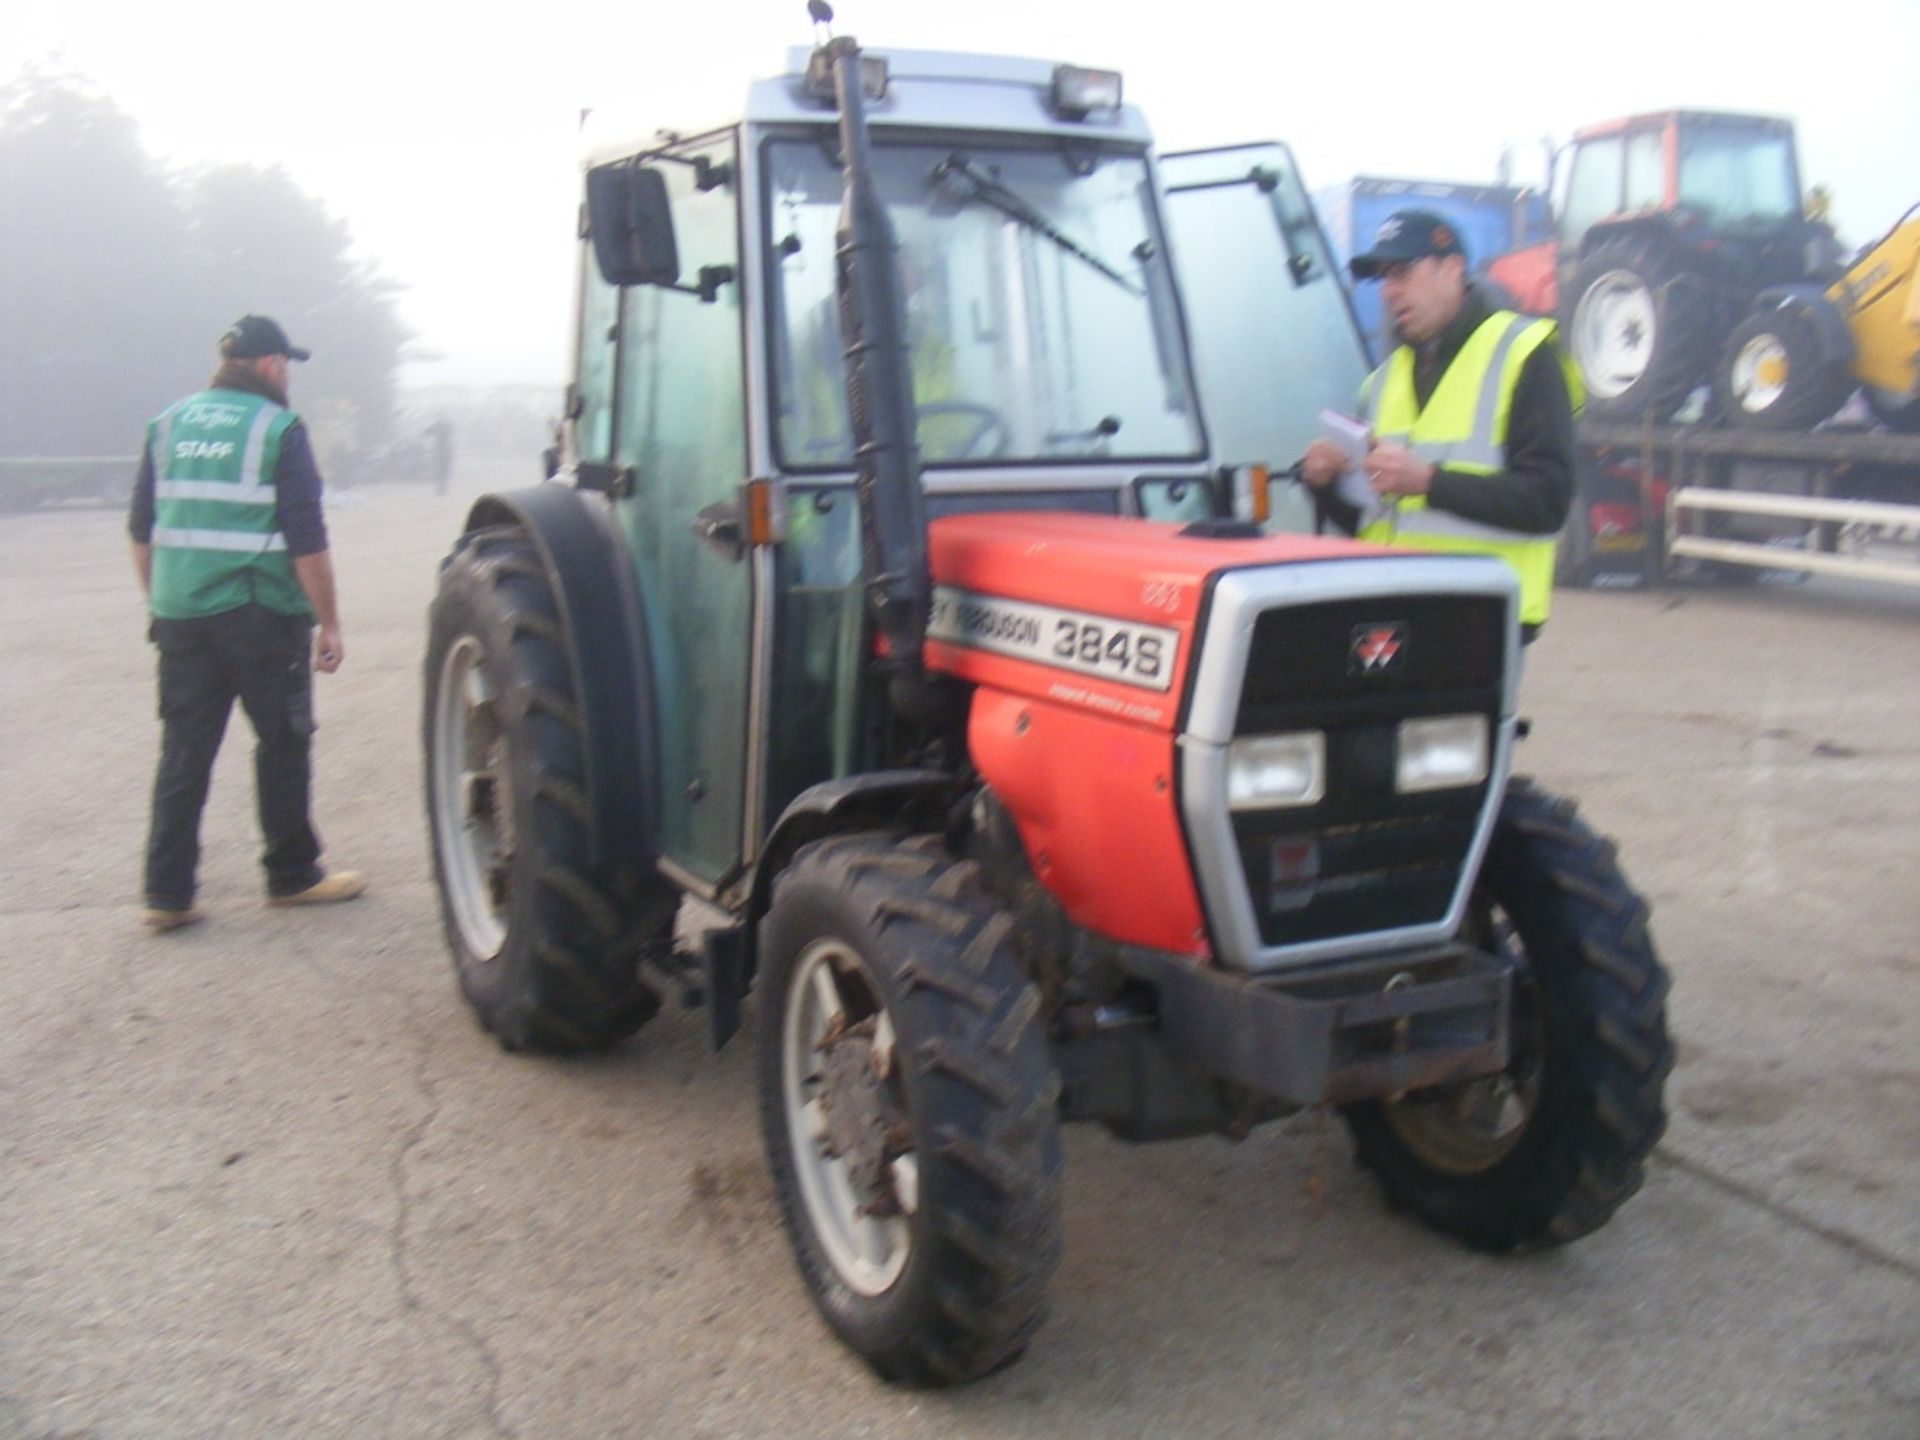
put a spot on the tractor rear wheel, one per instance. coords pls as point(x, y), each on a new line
point(1773, 376)
point(545, 954)
point(1640, 327)
point(909, 1105)
point(1548, 1149)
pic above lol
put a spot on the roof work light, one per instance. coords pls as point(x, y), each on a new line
point(819, 83)
point(1078, 91)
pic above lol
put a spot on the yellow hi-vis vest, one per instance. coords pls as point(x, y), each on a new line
point(1464, 428)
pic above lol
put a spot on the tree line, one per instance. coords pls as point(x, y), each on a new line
point(118, 273)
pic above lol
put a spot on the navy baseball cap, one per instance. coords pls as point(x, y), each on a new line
point(253, 337)
point(1406, 235)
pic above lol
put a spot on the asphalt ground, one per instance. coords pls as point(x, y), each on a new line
point(265, 1177)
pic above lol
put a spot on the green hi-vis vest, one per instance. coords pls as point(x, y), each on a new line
point(1464, 428)
point(216, 541)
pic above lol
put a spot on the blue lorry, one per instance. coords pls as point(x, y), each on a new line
point(1491, 219)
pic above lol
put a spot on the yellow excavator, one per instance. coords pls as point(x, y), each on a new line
point(1804, 349)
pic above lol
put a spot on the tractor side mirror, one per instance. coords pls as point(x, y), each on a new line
point(631, 224)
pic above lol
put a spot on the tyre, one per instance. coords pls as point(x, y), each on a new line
point(1547, 1150)
point(1640, 327)
point(1773, 376)
point(544, 954)
point(910, 1107)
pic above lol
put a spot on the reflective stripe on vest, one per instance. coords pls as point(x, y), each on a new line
point(1464, 428)
point(174, 538)
point(221, 490)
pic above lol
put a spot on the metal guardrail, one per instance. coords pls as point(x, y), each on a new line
point(1819, 447)
point(1695, 462)
point(1860, 518)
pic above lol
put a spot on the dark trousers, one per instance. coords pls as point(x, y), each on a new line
point(260, 658)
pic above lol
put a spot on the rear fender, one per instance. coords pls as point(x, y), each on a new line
point(600, 614)
point(1649, 225)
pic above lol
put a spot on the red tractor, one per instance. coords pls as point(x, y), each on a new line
point(900, 657)
point(1670, 225)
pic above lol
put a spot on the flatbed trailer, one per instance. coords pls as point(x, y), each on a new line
point(1655, 498)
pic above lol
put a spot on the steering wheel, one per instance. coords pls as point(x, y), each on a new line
point(987, 423)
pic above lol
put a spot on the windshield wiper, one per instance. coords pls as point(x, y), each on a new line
point(983, 186)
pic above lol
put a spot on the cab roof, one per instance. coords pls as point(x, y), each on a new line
point(926, 89)
point(1657, 119)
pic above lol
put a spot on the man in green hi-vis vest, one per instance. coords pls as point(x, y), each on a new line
point(230, 544)
point(1471, 419)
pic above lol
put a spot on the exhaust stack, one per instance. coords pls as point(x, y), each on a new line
point(893, 515)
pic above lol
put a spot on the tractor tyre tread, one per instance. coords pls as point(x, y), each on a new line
point(566, 979)
point(1687, 328)
point(983, 1092)
point(1602, 1111)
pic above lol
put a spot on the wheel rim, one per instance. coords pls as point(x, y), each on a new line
point(859, 1177)
point(473, 798)
point(1469, 1127)
point(1759, 375)
point(1615, 327)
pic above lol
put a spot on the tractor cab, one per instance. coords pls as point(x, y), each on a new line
point(1046, 332)
point(1722, 175)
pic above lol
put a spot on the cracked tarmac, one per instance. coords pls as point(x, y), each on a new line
point(266, 1177)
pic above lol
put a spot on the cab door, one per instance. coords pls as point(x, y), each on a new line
point(1274, 336)
point(678, 430)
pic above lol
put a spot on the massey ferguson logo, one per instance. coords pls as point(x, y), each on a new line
point(1377, 649)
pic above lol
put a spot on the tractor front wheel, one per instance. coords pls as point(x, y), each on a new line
point(1773, 376)
point(1548, 1149)
point(909, 1105)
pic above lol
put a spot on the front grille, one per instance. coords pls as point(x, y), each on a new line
point(1301, 670)
point(1366, 858)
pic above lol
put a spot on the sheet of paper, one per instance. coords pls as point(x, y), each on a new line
point(1351, 437)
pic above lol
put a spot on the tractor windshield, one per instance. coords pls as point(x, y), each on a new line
point(1040, 317)
point(1737, 177)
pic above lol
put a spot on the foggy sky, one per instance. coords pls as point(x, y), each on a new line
point(446, 136)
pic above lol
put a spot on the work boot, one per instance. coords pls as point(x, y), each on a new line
point(329, 889)
point(160, 921)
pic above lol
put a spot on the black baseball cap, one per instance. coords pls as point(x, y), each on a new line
point(253, 337)
point(1406, 235)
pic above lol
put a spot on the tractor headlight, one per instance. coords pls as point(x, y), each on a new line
point(1267, 772)
point(1441, 753)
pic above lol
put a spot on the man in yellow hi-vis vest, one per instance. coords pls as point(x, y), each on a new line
point(1471, 419)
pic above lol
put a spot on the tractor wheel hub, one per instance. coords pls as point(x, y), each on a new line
point(861, 1117)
